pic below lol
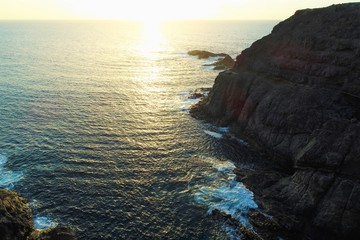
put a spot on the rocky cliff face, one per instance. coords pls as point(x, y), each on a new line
point(296, 93)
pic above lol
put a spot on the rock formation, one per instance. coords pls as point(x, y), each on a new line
point(15, 216)
point(16, 221)
point(224, 61)
point(296, 94)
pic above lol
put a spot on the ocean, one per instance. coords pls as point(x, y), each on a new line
point(95, 128)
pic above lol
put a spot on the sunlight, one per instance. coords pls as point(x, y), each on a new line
point(152, 39)
point(142, 10)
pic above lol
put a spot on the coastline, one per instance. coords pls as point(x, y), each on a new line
point(293, 94)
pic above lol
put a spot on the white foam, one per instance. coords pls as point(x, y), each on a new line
point(225, 132)
point(226, 195)
point(225, 167)
point(223, 129)
point(188, 102)
point(8, 177)
point(208, 67)
point(212, 60)
point(43, 222)
point(213, 134)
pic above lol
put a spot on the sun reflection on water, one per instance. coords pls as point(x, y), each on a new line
point(152, 40)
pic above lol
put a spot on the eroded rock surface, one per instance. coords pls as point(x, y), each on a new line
point(296, 94)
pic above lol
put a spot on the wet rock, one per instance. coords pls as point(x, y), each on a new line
point(296, 95)
point(56, 233)
point(223, 63)
point(199, 93)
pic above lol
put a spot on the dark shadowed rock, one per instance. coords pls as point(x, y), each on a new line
point(224, 61)
point(199, 93)
point(15, 216)
point(296, 94)
point(205, 54)
point(56, 233)
point(16, 221)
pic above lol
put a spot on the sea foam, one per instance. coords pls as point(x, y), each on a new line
point(213, 134)
point(8, 177)
point(225, 194)
point(43, 222)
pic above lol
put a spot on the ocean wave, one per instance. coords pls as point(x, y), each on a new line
point(213, 134)
point(8, 177)
point(44, 222)
point(224, 132)
point(224, 194)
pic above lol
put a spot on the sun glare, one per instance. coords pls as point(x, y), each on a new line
point(152, 37)
point(142, 10)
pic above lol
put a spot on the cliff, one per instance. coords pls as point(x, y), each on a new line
point(296, 94)
point(16, 221)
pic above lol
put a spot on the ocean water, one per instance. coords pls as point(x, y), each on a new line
point(95, 129)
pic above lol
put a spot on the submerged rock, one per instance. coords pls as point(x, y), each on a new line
point(16, 221)
point(296, 94)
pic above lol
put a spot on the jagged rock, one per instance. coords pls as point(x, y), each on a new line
point(15, 216)
point(296, 94)
point(16, 221)
point(56, 233)
point(224, 62)
point(199, 93)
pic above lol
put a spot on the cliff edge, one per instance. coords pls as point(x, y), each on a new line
point(296, 94)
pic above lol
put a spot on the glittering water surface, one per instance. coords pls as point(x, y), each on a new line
point(95, 130)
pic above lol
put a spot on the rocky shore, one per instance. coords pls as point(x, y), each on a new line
point(295, 96)
point(16, 221)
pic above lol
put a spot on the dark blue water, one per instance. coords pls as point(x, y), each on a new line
point(95, 129)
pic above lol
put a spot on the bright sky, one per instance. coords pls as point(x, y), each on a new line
point(146, 10)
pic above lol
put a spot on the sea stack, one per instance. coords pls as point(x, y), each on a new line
point(296, 95)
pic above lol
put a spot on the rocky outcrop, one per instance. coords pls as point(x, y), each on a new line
point(15, 216)
point(296, 94)
point(224, 61)
point(16, 221)
point(199, 93)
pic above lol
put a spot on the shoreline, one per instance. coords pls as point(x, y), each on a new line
point(288, 95)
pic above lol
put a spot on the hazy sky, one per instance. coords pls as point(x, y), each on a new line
point(156, 9)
